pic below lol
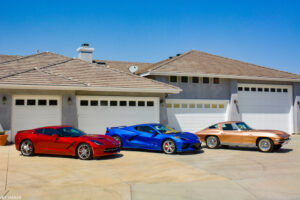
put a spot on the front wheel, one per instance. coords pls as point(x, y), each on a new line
point(27, 148)
point(84, 151)
point(169, 147)
point(212, 142)
point(265, 145)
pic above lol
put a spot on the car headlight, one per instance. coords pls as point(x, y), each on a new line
point(96, 142)
point(180, 138)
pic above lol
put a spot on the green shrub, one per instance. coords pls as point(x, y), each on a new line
point(2, 132)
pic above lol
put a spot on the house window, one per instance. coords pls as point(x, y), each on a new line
point(195, 79)
point(20, 102)
point(184, 79)
point(150, 103)
point(94, 103)
point(173, 79)
point(113, 103)
point(132, 103)
point(31, 102)
point(42, 102)
point(52, 102)
point(141, 103)
point(205, 80)
point(216, 81)
point(83, 103)
point(103, 103)
point(123, 103)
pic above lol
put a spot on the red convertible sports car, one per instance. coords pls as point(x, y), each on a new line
point(65, 140)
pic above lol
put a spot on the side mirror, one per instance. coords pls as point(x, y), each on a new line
point(55, 135)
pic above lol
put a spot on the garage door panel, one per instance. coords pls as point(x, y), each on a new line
point(25, 116)
point(270, 108)
point(95, 119)
point(195, 118)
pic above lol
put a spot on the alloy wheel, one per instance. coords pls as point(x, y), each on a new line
point(27, 148)
point(169, 147)
point(84, 152)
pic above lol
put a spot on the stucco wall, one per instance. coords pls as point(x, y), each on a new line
point(296, 94)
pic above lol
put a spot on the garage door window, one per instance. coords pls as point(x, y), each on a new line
point(31, 102)
point(278, 89)
point(20, 102)
point(123, 103)
point(42, 102)
point(113, 103)
point(82, 103)
point(132, 103)
point(266, 89)
point(103, 103)
point(94, 103)
point(150, 103)
point(273, 90)
point(52, 102)
point(285, 90)
point(141, 103)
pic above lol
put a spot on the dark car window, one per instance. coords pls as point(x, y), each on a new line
point(213, 126)
point(70, 132)
point(146, 129)
point(39, 131)
point(50, 131)
point(229, 127)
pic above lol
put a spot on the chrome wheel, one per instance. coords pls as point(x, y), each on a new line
point(84, 152)
point(169, 147)
point(27, 148)
point(212, 142)
point(265, 145)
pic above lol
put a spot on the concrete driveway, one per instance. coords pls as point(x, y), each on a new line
point(225, 173)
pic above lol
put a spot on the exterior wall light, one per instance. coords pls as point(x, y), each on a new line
point(69, 100)
point(4, 99)
point(235, 101)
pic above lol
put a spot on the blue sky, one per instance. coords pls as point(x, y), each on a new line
point(260, 32)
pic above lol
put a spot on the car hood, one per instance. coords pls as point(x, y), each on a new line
point(185, 135)
point(274, 132)
point(105, 139)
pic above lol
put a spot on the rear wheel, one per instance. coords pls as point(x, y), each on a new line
point(118, 139)
point(265, 145)
point(212, 142)
point(169, 147)
point(27, 148)
point(84, 151)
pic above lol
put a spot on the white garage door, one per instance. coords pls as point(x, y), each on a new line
point(266, 106)
point(30, 112)
point(95, 114)
point(195, 115)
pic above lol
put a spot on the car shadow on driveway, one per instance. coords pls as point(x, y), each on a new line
point(108, 157)
point(160, 152)
point(239, 148)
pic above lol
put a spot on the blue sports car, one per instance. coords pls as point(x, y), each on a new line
point(154, 137)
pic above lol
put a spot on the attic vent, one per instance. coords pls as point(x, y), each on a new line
point(170, 57)
point(99, 62)
point(179, 54)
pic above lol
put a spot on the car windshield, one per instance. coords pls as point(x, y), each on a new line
point(165, 129)
point(243, 126)
point(70, 132)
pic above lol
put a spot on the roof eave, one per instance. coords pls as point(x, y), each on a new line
point(95, 89)
point(220, 76)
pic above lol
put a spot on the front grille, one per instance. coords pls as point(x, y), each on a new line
point(197, 146)
point(185, 146)
point(111, 150)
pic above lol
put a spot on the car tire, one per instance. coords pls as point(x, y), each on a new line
point(27, 148)
point(84, 151)
point(277, 147)
point(118, 139)
point(169, 147)
point(212, 142)
point(265, 145)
